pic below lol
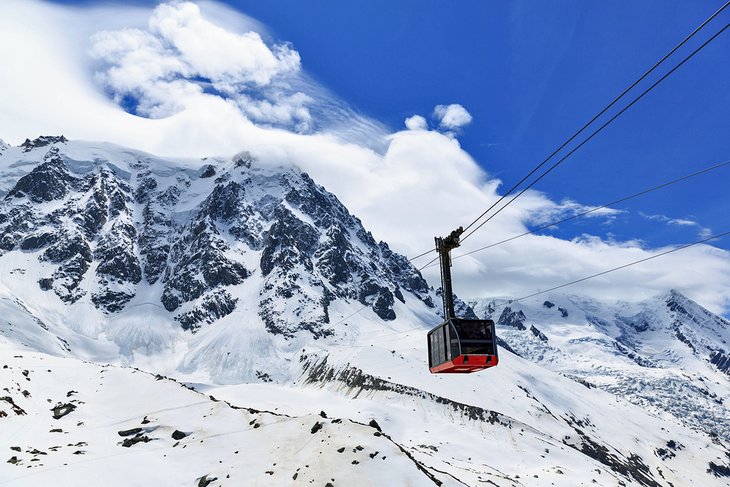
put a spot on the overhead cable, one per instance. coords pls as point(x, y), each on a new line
point(572, 137)
point(422, 255)
point(613, 102)
point(596, 132)
point(676, 249)
point(592, 210)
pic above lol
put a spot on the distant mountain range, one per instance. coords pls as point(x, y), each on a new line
point(249, 283)
point(667, 354)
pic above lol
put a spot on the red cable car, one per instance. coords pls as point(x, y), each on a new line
point(458, 345)
point(462, 346)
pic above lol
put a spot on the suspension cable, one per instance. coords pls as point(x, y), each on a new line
point(422, 255)
point(598, 130)
point(592, 210)
point(613, 102)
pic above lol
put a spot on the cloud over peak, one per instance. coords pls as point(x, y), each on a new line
point(182, 56)
point(217, 53)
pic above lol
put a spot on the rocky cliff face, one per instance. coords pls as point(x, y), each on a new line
point(108, 223)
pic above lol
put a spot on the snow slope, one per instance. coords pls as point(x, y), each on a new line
point(246, 281)
point(131, 428)
point(518, 424)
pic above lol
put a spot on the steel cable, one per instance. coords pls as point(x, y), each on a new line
point(592, 210)
point(613, 102)
point(598, 130)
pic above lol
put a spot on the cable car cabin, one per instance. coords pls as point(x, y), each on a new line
point(462, 346)
point(458, 345)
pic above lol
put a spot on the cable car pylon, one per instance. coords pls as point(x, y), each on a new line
point(458, 345)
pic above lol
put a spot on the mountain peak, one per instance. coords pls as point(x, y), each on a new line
point(42, 141)
point(680, 304)
point(676, 295)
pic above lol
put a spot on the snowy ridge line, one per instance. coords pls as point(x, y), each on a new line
point(452, 476)
point(419, 465)
point(664, 354)
point(355, 378)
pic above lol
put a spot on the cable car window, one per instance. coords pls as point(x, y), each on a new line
point(476, 337)
point(472, 330)
point(438, 347)
point(435, 354)
point(442, 344)
point(475, 347)
point(454, 345)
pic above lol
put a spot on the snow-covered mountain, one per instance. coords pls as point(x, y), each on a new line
point(667, 355)
point(133, 251)
point(303, 338)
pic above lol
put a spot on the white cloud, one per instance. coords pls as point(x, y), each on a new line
point(216, 53)
point(451, 117)
point(416, 122)
point(182, 56)
point(703, 232)
point(406, 187)
point(566, 209)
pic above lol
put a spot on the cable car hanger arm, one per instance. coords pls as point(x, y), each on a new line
point(443, 247)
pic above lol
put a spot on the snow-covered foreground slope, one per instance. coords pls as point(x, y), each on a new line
point(126, 427)
point(514, 425)
point(667, 354)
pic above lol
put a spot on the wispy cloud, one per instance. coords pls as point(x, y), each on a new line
point(704, 232)
point(567, 209)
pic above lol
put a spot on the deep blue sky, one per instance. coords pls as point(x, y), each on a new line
point(531, 72)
